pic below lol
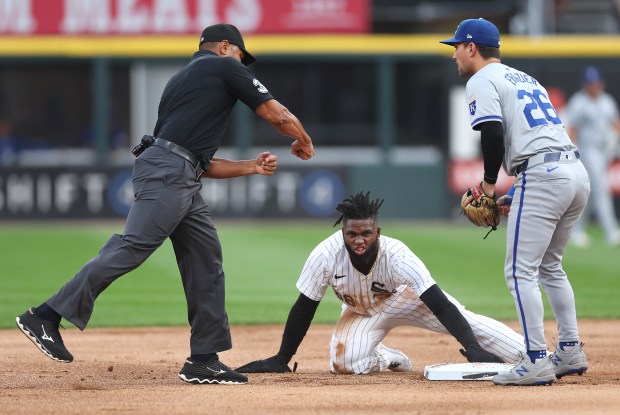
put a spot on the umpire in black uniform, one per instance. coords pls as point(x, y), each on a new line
point(192, 117)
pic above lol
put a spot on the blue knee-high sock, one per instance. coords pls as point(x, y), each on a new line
point(567, 344)
point(535, 355)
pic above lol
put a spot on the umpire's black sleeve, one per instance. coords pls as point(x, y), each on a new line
point(297, 325)
point(492, 142)
point(449, 315)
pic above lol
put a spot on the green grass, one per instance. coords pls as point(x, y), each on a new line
point(262, 261)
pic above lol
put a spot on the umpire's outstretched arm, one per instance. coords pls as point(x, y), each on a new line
point(286, 123)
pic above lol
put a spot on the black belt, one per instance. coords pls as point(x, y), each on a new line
point(176, 149)
point(547, 158)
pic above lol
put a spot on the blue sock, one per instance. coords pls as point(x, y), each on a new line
point(567, 344)
point(203, 358)
point(535, 355)
point(47, 313)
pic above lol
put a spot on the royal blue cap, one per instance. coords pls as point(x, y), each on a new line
point(478, 31)
point(591, 74)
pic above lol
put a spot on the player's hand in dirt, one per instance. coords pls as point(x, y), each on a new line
point(475, 353)
point(273, 364)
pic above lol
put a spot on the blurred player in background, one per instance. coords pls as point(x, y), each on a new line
point(382, 285)
point(594, 124)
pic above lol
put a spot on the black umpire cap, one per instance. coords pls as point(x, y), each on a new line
point(219, 32)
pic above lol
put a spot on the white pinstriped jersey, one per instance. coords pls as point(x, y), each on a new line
point(498, 92)
point(329, 265)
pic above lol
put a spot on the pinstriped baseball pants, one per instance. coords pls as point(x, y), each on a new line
point(353, 346)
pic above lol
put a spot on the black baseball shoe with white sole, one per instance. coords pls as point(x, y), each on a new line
point(212, 371)
point(45, 335)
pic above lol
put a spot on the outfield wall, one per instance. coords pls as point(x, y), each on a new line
point(381, 108)
point(294, 192)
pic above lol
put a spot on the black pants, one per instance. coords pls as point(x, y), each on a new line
point(167, 204)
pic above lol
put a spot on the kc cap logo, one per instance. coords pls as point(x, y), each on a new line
point(478, 31)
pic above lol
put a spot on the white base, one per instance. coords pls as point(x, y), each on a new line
point(465, 371)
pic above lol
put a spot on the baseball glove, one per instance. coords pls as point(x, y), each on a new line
point(274, 364)
point(481, 210)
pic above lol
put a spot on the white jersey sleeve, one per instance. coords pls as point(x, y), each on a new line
point(315, 275)
point(483, 101)
point(408, 269)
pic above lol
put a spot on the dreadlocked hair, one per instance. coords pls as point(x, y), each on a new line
point(358, 206)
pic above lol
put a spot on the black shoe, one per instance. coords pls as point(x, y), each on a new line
point(212, 371)
point(45, 335)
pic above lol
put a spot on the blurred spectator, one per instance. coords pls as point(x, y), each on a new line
point(117, 133)
point(593, 123)
point(11, 143)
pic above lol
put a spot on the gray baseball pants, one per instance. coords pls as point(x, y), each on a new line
point(596, 163)
point(549, 199)
point(167, 204)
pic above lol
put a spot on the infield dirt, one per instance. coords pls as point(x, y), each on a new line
point(134, 371)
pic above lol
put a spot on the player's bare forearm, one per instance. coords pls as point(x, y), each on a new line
point(288, 125)
point(219, 168)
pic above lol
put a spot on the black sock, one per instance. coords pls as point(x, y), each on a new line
point(47, 313)
point(203, 358)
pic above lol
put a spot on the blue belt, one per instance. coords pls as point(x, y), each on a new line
point(547, 158)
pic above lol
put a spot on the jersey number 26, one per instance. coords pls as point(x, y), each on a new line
point(538, 103)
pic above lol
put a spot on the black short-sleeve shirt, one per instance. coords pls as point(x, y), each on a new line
point(197, 101)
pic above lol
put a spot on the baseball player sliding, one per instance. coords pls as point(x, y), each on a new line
point(382, 285)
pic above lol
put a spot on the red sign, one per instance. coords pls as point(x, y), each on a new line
point(613, 174)
point(464, 174)
point(137, 17)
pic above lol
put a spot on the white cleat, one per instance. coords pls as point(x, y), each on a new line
point(526, 373)
point(399, 362)
point(572, 361)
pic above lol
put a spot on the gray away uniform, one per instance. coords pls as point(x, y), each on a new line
point(551, 192)
point(593, 120)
